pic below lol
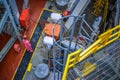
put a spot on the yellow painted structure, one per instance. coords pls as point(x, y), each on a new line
point(101, 6)
point(98, 6)
point(70, 62)
point(105, 13)
point(103, 40)
point(29, 67)
point(88, 69)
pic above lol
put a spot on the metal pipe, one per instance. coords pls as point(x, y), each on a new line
point(61, 36)
point(76, 44)
point(72, 33)
point(14, 10)
point(117, 12)
point(54, 64)
point(3, 20)
point(25, 5)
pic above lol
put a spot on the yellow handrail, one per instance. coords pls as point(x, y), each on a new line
point(103, 40)
point(70, 63)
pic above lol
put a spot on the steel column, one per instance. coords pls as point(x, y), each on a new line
point(7, 6)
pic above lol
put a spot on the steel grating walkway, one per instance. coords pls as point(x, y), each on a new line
point(107, 63)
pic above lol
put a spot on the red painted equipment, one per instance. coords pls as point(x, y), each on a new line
point(17, 48)
point(49, 27)
point(66, 13)
point(25, 17)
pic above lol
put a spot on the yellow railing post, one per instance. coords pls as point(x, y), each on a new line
point(71, 60)
point(66, 69)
